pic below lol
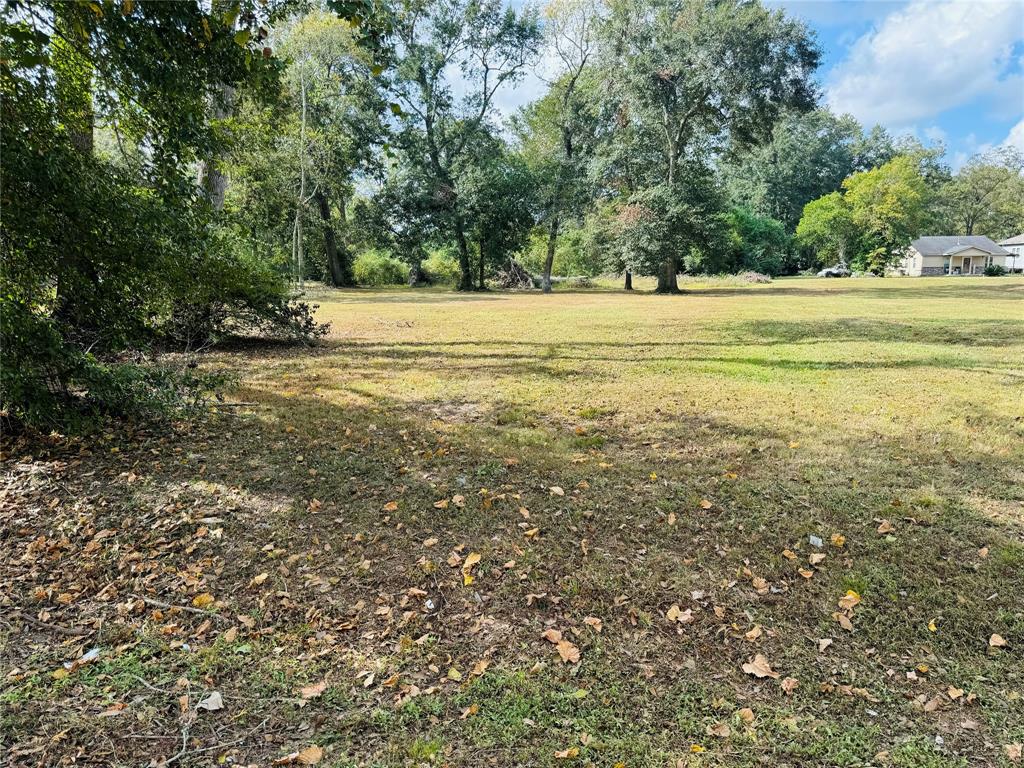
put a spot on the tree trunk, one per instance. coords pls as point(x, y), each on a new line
point(549, 259)
point(480, 246)
point(340, 276)
point(212, 181)
point(629, 280)
point(667, 282)
point(466, 270)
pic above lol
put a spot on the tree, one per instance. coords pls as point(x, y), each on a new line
point(888, 207)
point(339, 130)
point(686, 77)
point(491, 45)
point(99, 253)
point(498, 191)
point(759, 243)
point(808, 156)
point(557, 131)
point(986, 196)
point(827, 227)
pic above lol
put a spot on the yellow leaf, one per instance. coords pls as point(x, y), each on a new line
point(932, 627)
point(391, 506)
point(697, 749)
point(838, 540)
point(563, 754)
point(202, 601)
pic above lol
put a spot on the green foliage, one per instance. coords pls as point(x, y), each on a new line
point(374, 268)
point(888, 208)
point(105, 252)
point(986, 196)
point(995, 270)
point(876, 217)
point(758, 243)
point(441, 266)
point(827, 228)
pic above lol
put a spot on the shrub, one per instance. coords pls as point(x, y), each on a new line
point(377, 268)
point(995, 270)
point(441, 267)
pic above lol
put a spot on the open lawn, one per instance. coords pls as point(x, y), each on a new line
point(770, 525)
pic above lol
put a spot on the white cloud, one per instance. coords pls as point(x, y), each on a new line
point(927, 58)
point(1016, 136)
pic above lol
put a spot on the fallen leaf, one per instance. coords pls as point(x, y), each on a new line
point(954, 693)
point(746, 715)
point(789, 554)
point(203, 601)
point(844, 621)
point(824, 643)
point(932, 627)
point(467, 566)
point(837, 540)
point(705, 504)
point(552, 635)
point(257, 580)
point(595, 623)
point(721, 730)
point(754, 633)
point(848, 601)
point(556, 491)
point(313, 690)
point(806, 572)
point(472, 709)
point(570, 653)
point(671, 518)
point(230, 635)
point(789, 685)
point(996, 641)
point(816, 557)
point(885, 527)
point(442, 504)
point(428, 543)
point(759, 667)
point(212, 702)
point(391, 506)
point(563, 754)
point(1013, 752)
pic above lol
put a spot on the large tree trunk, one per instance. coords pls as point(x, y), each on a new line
point(338, 266)
point(211, 179)
point(667, 282)
point(549, 259)
point(629, 280)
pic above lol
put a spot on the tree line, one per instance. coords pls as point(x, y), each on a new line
point(172, 170)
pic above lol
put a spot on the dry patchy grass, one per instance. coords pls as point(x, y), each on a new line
point(613, 460)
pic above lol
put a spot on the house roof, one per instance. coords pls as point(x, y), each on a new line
point(1017, 240)
point(948, 245)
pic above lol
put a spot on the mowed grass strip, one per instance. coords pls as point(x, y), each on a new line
point(828, 475)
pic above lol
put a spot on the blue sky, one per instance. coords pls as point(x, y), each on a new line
point(942, 70)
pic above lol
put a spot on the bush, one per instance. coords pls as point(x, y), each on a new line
point(995, 270)
point(441, 267)
point(377, 268)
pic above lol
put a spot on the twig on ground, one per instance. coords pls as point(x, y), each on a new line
point(186, 608)
point(72, 631)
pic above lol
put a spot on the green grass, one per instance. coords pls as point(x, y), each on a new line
point(697, 440)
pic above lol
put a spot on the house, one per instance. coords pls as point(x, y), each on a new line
point(1015, 261)
point(951, 255)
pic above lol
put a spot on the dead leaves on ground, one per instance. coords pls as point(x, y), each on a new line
point(567, 651)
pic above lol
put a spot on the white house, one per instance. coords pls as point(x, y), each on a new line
point(951, 255)
point(1015, 261)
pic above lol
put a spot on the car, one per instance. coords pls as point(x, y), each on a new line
point(836, 271)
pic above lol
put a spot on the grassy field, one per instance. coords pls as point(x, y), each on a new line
point(769, 525)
